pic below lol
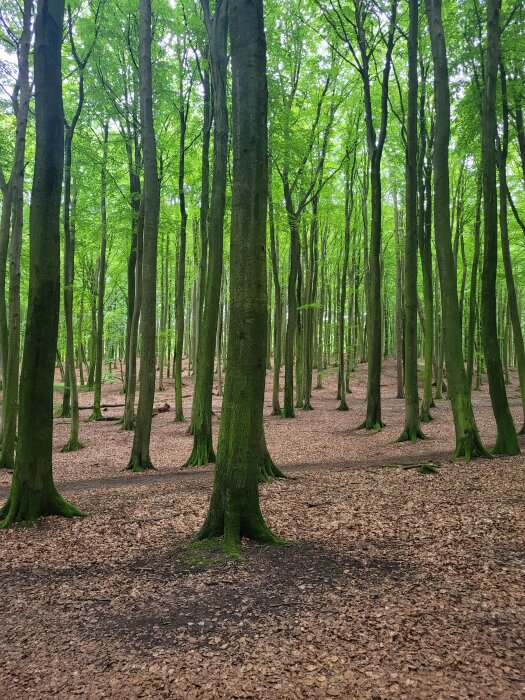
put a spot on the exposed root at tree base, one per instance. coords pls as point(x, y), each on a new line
point(137, 465)
point(201, 456)
point(368, 425)
point(411, 434)
point(72, 445)
point(30, 507)
point(470, 447)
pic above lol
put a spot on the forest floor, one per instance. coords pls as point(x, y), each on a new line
point(397, 585)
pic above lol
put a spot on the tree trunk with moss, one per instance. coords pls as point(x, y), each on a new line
point(506, 440)
point(33, 493)
point(140, 457)
point(101, 287)
point(515, 315)
point(412, 429)
point(468, 442)
point(11, 367)
point(203, 451)
point(234, 510)
point(424, 169)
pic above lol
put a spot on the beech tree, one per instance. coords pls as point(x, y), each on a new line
point(33, 492)
point(234, 509)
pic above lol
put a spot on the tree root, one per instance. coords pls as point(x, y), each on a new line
point(425, 415)
point(137, 464)
point(368, 425)
point(269, 471)
point(72, 445)
point(411, 434)
point(201, 455)
point(28, 506)
point(96, 415)
point(470, 446)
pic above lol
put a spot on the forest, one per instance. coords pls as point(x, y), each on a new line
point(262, 359)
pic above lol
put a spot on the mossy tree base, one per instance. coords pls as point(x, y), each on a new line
point(269, 471)
point(343, 406)
point(179, 417)
point(72, 445)
point(425, 416)
point(506, 445)
point(139, 464)
point(470, 446)
point(276, 411)
point(202, 454)
point(288, 412)
point(96, 415)
point(370, 425)
point(233, 516)
point(29, 505)
point(412, 434)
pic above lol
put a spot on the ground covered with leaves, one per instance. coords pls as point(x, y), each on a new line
point(398, 583)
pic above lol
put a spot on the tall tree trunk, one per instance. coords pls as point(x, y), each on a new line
point(33, 493)
point(514, 311)
point(412, 430)
point(140, 457)
point(473, 298)
point(399, 302)
point(16, 182)
point(217, 27)
point(468, 442)
point(234, 509)
point(506, 440)
point(101, 287)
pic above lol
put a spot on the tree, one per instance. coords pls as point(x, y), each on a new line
point(140, 458)
point(412, 430)
point(13, 211)
point(217, 27)
point(234, 509)
point(33, 493)
point(468, 442)
point(506, 440)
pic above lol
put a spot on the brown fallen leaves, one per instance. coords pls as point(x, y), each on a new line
point(399, 584)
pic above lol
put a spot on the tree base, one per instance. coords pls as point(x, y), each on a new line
point(230, 526)
point(370, 425)
point(138, 465)
point(72, 445)
point(470, 446)
point(191, 429)
point(288, 412)
point(276, 411)
point(179, 417)
point(412, 434)
point(96, 415)
point(343, 406)
point(269, 471)
point(201, 455)
point(522, 431)
point(26, 506)
point(506, 445)
point(425, 416)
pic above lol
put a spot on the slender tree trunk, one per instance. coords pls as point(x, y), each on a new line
point(97, 398)
point(468, 442)
point(203, 452)
point(412, 429)
point(506, 440)
point(16, 182)
point(140, 457)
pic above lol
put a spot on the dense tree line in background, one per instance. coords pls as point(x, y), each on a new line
point(352, 206)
